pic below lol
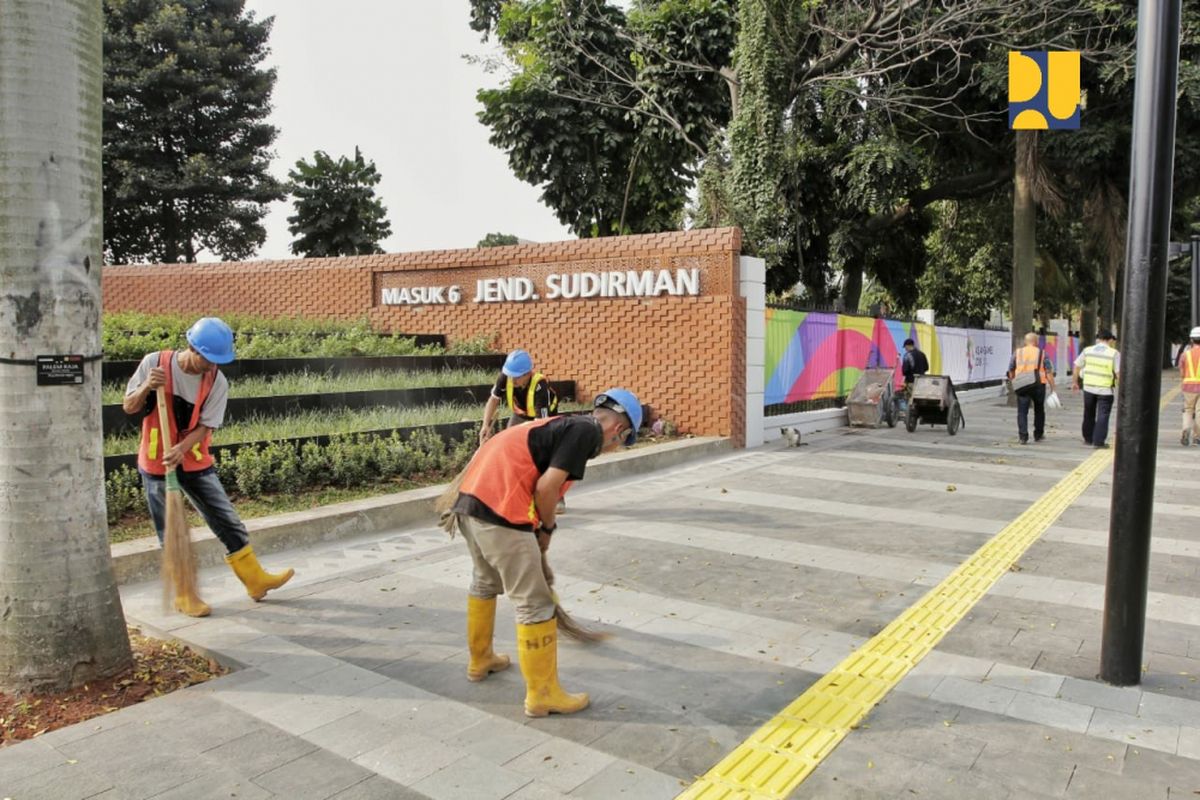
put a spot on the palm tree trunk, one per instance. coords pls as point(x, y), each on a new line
point(1024, 239)
point(61, 622)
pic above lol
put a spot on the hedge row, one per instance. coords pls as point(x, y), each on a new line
point(129, 335)
point(289, 467)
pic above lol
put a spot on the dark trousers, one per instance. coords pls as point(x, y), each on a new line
point(1036, 396)
point(208, 496)
point(1096, 408)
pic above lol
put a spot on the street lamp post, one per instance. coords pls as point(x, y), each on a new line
point(1140, 383)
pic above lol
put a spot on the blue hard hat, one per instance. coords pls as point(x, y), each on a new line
point(517, 364)
point(213, 339)
point(624, 402)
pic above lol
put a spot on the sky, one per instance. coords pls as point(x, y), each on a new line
point(389, 76)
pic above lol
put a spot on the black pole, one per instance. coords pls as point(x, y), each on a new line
point(1142, 323)
point(1195, 280)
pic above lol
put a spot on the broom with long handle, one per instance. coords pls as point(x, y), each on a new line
point(449, 523)
point(178, 564)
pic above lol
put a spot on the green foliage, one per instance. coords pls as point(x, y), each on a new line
point(337, 212)
point(351, 460)
point(970, 260)
point(316, 423)
point(123, 493)
point(498, 240)
point(479, 345)
point(294, 383)
point(186, 143)
point(129, 336)
point(600, 113)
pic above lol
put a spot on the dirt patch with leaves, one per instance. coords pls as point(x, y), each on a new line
point(159, 667)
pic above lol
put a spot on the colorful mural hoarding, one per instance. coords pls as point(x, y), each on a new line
point(813, 355)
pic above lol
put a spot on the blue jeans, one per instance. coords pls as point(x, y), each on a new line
point(1096, 408)
point(1035, 395)
point(208, 496)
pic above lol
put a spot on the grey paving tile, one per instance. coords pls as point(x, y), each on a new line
point(499, 741)
point(1087, 784)
point(629, 782)
point(1036, 774)
point(26, 759)
point(471, 776)
point(538, 791)
point(215, 785)
point(318, 775)
point(1157, 708)
point(935, 781)
point(353, 734)
point(1093, 693)
point(1058, 714)
point(561, 764)
point(255, 753)
point(408, 758)
point(1025, 680)
point(66, 781)
point(377, 788)
point(1134, 731)
point(973, 694)
point(303, 713)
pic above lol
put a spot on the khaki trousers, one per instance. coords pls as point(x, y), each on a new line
point(508, 561)
point(1190, 423)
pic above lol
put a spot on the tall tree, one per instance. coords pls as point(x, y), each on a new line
point(608, 112)
point(337, 211)
point(60, 614)
point(186, 142)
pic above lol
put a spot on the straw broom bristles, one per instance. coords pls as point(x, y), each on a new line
point(178, 563)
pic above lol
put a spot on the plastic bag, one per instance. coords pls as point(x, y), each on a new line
point(1052, 401)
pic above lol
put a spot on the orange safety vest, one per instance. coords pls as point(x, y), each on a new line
point(150, 451)
point(1191, 368)
point(1029, 359)
point(530, 410)
point(503, 477)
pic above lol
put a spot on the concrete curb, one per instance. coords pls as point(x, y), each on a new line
point(139, 560)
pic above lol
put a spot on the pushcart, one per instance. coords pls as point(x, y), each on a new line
point(933, 402)
point(873, 401)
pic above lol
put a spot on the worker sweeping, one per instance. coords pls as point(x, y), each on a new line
point(505, 509)
point(198, 393)
point(527, 394)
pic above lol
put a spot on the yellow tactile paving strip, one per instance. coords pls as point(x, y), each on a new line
point(783, 752)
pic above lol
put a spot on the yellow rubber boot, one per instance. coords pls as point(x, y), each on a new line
point(256, 579)
point(537, 649)
point(190, 603)
point(481, 626)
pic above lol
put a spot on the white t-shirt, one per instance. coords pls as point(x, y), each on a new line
point(212, 415)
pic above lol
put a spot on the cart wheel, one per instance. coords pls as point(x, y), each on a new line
point(955, 419)
point(889, 416)
point(910, 421)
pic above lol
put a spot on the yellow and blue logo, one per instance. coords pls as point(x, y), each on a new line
point(1043, 90)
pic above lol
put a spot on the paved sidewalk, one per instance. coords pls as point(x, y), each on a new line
point(730, 586)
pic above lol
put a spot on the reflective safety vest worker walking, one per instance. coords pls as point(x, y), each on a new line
point(1189, 374)
point(1097, 370)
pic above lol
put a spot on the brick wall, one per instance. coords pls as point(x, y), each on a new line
point(683, 355)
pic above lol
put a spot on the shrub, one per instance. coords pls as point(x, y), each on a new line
point(473, 345)
point(129, 336)
point(123, 493)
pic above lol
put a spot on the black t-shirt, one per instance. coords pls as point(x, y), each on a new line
point(545, 402)
point(566, 443)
